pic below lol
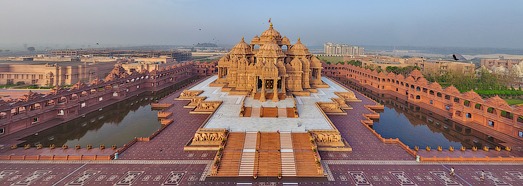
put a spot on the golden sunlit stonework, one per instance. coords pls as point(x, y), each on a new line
point(269, 64)
point(256, 137)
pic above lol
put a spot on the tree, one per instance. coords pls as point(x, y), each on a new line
point(31, 49)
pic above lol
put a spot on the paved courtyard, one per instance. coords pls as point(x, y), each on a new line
point(162, 161)
point(227, 116)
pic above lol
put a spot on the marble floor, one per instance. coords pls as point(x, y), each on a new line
point(227, 116)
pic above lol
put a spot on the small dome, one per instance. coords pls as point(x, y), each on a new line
point(285, 41)
point(270, 49)
point(299, 49)
point(255, 39)
point(241, 48)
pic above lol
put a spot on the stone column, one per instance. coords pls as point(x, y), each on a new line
point(283, 88)
point(275, 92)
point(255, 88)
point(262, 97)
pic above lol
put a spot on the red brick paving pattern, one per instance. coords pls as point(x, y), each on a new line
point(365, 146)
point(152, 174)
point(169, 143)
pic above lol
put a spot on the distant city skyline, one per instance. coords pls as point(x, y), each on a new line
point(81, 24)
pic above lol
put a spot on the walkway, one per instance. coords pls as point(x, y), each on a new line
point(365, 146)
point(170, 142)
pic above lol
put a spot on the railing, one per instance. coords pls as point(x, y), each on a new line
point(472, 159)
point(55, 157)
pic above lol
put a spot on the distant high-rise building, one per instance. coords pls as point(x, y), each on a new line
point(332, 49)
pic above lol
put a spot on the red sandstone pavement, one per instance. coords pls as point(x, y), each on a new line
point(170, 142)
point(59, 152)
point(342, 167)
point(190, 174)
point(365, 146)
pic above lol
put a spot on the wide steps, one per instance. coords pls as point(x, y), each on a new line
point(282, 112)
point(267, 154)
point(247, 164)
point(270, 112)
point(255, 112)
point(288, 165)
point(232, 153)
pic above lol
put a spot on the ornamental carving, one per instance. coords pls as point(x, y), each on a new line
point(330, 107)
point(348, 96)
point(189, 94)
point(326, 136)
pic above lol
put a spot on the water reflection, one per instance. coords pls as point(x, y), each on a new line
point(116, 124)
point(416, 126)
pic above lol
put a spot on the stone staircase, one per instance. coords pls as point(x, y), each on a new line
point(232, 152)
point(304, 156)
point(269, 160)
point(248, 155)
point(269, 154)
point(255, 112)
point(282, 112)
point(288, 165)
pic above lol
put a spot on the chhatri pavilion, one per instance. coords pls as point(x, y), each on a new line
point(269, 107)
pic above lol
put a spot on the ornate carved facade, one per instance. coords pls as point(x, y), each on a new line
point(270, 63)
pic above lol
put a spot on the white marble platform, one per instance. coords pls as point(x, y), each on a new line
point(227, 116)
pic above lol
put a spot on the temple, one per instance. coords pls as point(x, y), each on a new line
point(269, 64)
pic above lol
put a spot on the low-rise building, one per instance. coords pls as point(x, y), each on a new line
point(52, 74)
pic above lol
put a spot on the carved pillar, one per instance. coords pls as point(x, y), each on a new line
point(283, 88)
point(275, 92)
point(262, 97)
point(255, 88)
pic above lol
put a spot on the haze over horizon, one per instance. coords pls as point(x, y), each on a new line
point(445, 23)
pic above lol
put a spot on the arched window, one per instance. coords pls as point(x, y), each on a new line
point(491, 110)
point(466, 103)
point(478, 106)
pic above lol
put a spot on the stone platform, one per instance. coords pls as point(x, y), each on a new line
point(227, 116)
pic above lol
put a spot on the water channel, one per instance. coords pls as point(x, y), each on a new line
point(121, 122)
point(116, 124)
point(416, 126)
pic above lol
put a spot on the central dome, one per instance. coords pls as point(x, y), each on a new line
point(270, 34)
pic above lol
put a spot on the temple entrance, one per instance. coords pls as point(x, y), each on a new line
point(259, 83)
point(279, 84)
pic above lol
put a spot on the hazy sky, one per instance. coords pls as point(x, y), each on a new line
point(74, 23)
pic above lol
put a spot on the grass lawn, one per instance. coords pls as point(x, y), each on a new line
point(514, 101)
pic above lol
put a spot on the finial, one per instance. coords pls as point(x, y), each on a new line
point(243, 39)
point(299, 40)
point(271, 24)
